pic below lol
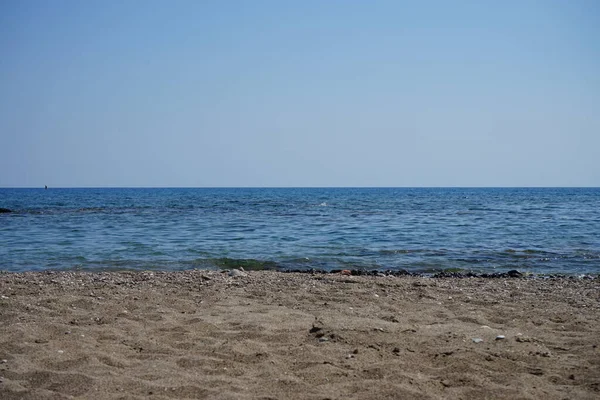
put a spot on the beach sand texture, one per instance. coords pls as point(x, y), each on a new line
point(272, 335)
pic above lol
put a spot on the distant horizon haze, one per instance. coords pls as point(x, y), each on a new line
point(299, 187)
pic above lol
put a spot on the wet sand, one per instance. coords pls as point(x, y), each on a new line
point(270, 335)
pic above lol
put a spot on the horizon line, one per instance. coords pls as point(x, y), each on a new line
point(298, 187)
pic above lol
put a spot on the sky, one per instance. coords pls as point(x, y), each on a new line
point(147, 93)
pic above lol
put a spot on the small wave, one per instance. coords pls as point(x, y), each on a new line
point(402, 251)
point(527, 252)
point(246, 263)
point(91, 209)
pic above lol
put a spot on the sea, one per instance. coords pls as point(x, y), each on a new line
point(418, 230)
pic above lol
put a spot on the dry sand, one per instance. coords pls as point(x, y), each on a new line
point(270, 335)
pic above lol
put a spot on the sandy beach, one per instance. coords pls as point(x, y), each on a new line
point(270, 335)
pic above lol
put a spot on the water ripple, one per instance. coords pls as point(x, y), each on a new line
point(541, 230)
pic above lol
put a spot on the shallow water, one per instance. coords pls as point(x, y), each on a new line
point(541, 230)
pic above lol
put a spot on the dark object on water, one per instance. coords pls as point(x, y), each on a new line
point(45, 186)
point(4, 210)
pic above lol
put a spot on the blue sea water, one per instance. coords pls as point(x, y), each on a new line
point(539, 230)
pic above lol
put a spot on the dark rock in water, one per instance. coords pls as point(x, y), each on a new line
point(4, 210)
point(514, 273)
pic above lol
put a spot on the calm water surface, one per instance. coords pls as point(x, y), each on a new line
point(420, 230)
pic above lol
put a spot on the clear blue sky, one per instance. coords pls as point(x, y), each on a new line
point(299, 93)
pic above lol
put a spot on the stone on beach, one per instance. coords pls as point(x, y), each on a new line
point(237, 272)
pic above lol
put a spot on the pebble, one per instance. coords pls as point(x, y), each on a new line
point(323, 339)
point(477, 340)
point(4, 361)
point(500, 337)
point(60, 351)
point(521, 339)
point(236, 272)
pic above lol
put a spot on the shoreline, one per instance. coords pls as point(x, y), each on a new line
point(268, 334)
point(447, 273)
